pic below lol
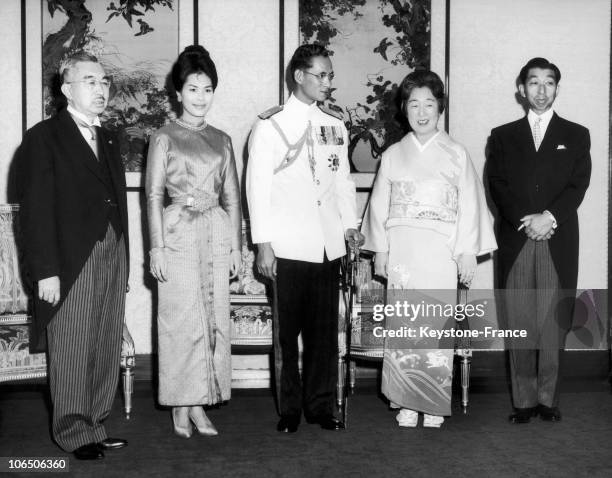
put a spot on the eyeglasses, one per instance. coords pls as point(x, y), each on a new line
point(91, 83)
point(322, 76)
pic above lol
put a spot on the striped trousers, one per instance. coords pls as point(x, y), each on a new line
point(84, 343)
point(535, 302)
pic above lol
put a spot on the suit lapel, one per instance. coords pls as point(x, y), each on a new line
point(526, 158)
point(79, 149)
point(105, 144)
point(524, 136)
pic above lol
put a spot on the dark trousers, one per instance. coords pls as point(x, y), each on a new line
point(308, 303)
point(84, 341)
point(535, 302)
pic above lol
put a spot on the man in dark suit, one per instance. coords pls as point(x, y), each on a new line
point(75, 238)
point(539, 169)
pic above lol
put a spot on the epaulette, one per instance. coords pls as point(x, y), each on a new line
point(270, 112)
point(329, 111)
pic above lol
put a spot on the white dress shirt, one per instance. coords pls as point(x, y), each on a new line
point(544, 120)
point(84, 131)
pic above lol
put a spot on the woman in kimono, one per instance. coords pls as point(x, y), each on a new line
point(427, 220)
point(195, 247)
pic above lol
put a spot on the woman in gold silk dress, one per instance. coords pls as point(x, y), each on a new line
point(427, 220)
point(195, 247)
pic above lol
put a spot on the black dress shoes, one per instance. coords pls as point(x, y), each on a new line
point(91, 451)
point(522, 415)
point(327, 422)
point(288, 424)
point(549, 414)
point(112, 443)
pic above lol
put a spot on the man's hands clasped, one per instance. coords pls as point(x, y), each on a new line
point(538, 227)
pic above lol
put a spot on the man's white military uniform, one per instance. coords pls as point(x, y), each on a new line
point(302, 208)
point(301, 201)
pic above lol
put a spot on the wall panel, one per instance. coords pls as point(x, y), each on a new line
point(11, 98)
point(490, 42)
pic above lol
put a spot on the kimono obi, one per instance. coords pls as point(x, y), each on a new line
point(427, 203)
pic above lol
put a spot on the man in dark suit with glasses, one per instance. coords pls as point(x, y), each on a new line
point(75, 237)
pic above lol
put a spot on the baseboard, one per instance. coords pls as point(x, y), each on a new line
point(253, 372)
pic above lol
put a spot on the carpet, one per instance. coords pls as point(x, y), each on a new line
point(481, 443)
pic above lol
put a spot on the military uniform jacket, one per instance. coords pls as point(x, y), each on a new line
point(300, 195)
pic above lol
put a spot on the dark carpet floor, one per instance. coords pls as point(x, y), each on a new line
point(482, 443)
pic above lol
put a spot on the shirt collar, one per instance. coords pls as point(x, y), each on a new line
point(82, 117)
point(544, 118)
point(297, 106)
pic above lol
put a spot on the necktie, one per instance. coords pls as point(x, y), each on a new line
point(537, 133)
point(92, 141)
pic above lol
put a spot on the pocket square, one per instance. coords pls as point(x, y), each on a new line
point(561, 146)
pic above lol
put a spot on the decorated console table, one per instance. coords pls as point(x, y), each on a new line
point(251, 314)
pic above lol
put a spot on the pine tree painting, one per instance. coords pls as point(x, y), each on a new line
point(136, 42)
